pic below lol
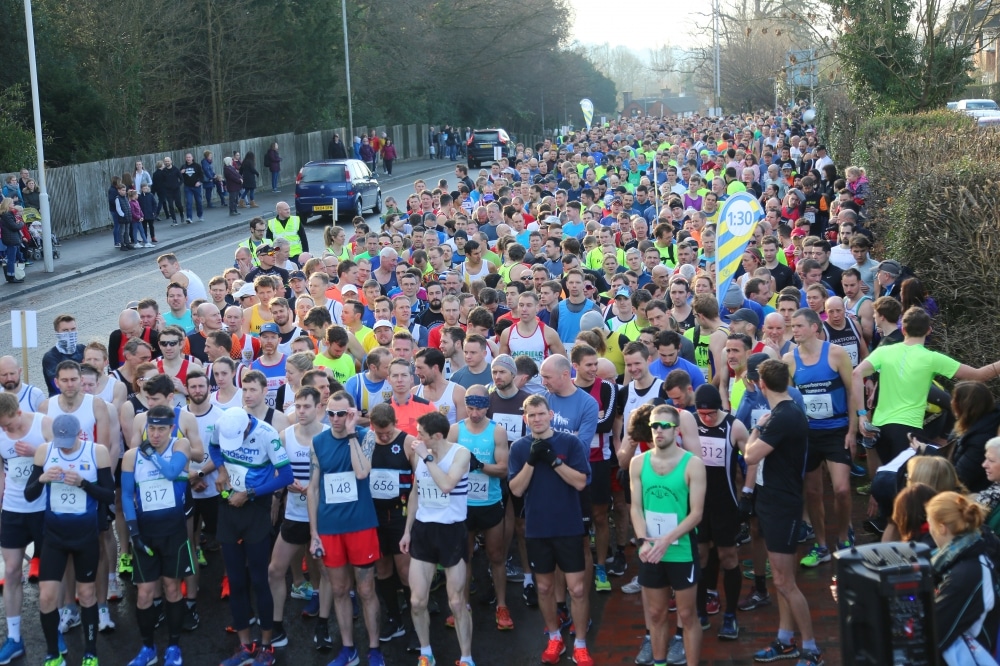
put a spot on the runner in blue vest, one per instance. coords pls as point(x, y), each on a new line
point(566, 317)
point(154, 489)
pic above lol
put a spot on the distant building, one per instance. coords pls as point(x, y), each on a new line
point(668, 103)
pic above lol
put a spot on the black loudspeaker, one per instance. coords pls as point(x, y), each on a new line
point(886, 597)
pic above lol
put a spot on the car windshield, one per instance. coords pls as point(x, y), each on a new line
point(985, 105)
point(487, 136)
point(323, 173)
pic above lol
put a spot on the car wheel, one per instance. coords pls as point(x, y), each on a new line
point(359, 207)
point(377, 208)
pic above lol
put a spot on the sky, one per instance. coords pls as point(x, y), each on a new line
point(662, 21)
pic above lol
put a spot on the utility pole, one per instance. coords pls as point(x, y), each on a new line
point(347, 67)
point(718, 78)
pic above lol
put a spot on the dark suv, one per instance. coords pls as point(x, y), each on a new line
point(488, 145)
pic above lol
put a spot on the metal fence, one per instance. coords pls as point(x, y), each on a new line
point(78, 194)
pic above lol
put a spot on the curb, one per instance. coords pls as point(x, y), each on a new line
point(56, 279)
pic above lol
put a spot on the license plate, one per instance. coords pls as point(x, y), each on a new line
point(322, 207)
point(486, 145)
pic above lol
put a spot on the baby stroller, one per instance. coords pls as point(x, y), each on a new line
point(31, 235)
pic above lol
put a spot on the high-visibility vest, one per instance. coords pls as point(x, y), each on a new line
point(290, 232)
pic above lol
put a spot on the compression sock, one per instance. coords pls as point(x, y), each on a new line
point(175, 620)
point(760, 583)
point(711, 570)
point(89, 616)
point(732, 581)
point(50, 627)
point(386, 588)
point(146, 618)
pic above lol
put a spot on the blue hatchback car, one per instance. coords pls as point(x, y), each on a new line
point(334, 188)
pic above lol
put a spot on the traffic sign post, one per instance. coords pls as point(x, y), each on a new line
point(24, 334)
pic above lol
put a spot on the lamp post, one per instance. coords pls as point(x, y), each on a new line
point(36, 108)
point(347, 67)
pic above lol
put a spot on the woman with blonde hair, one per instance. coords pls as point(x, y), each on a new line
point(963, 570)
point(10, 236)
point(934, 471)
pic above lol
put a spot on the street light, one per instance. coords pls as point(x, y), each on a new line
point(43, 193)
point(347, 66)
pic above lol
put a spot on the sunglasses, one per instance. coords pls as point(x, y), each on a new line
point(340, 413)
point(268, 252)
point(662, 425)
point(167, 343)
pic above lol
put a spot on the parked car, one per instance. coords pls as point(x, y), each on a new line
point(487, 145)
point(334, 188)
point(978, 108)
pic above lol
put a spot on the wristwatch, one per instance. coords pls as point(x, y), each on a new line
point(201, 474)
point(251, 494)
point(429, 458)
point(862, 412)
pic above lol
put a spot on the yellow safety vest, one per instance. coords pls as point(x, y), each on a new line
point(290, 232)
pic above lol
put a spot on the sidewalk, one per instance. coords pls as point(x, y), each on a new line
point(95, 252)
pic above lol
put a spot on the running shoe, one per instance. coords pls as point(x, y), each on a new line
point(582, 657)
point(675, 651)
point(311, 609)
point(424, 660)
point(858, 471)
point(391, 629)
point(279, 639)
point(730, 629)
point(777, 651)
point(265, 656)
point(114, 588)
point(348, 657)
point(810, 658)
point(632, 587)
point(321, 637)
point(173, 656)
point(302, 591)
point(645, 656)
point(601, 582)
point(553, 651)
point(33, 569)
point(202, 562)
point(146, 657)
point(618, 564)
point(564, 618)
point(224, 593)
point(55, 661)
point(754, 600)
point(515, 574)
point(125, 563)
point(375, 657)
point(191, 618)
point(712, 604)
point(68, 618)
point(530, 596)
point(806, 532)
point(865, 489)
point(104, 621)
point(504, 622)
point(816, 556)
point(11, 650)
point(89, 660)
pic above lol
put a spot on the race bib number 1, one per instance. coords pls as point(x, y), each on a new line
point(341, 487)
point(659, 524)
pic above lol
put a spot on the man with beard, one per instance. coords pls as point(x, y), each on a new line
point(28, 396)
point(287, 330)
point(446, 396)
point(271, 362)
point(431, 315)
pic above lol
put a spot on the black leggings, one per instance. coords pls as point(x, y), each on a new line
point(255, 557)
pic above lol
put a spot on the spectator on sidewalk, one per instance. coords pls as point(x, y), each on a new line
point(367, 153)
point(234, 183)
point(170, 189)
point(141, 177)
point(147, 203)
point(272, 162)
point(213, 181)
point(336, 150)
point(30, 195)
point(248, 170)
point(193, 178)
point(388, 156)
point(11, 190)
point(10, 236)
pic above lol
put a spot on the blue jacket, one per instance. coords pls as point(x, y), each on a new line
point(207, 170)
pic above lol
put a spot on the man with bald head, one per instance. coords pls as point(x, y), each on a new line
point(211, 321)
point(28, 397)
point(129, 327)
point(776, 336)
point(844, 331)
point(288, 226)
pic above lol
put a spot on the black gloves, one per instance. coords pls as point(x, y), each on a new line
point(135, 538)
point(745, 507)
point(146, 448)
point(539, 452)
point(475, 464)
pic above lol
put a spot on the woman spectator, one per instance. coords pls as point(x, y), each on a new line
point(31, 196)
point(234, 183)
point(272, 160)
point(830, 181)
point(367, 153)
point(12, 190)
point(989, 498)
point(10, 236)
point(248, 170)
point(388, 156)
point(977, 419)
point(116, 182)
point(912, 292)
point(963, 570)
point(910, 514)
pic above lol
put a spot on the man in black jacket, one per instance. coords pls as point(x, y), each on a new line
point(193, 177)
point(167, 182)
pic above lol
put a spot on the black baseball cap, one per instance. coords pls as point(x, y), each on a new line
point(752, 364)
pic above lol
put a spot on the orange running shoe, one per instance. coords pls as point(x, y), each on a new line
point(225, 588)
point(554, 650)
point(582, 657)
point(504, 623)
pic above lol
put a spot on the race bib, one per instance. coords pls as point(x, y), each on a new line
point(341, 487)
point(811, 217)
point(157, 495)
point(513, 424)
point(237, 477)
point(430, 495)
point(713, 452)
point(755, 416)
point(384, 484)
point(760, 473)
point(18, 471)
point(852, 351)
point(659, 524)
point(64, 498)
point(479, 487)
point(818, 406)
